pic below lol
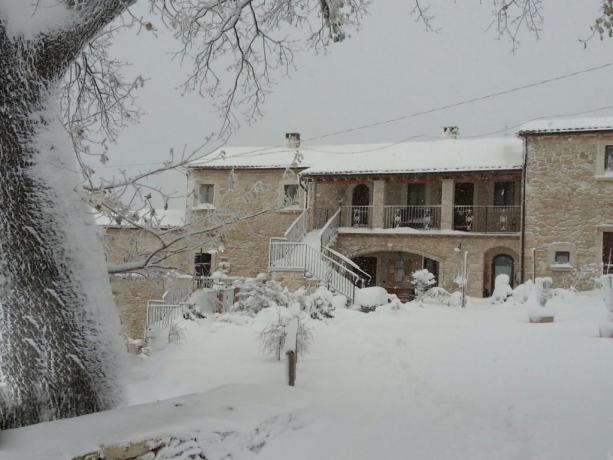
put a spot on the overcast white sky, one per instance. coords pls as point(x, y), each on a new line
point(390, 67)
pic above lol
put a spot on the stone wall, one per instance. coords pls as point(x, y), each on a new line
point(569, 203)
point(481, 248)
point(240, 194)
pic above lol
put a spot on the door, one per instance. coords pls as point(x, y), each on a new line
point(369, 265)
point(607, 252)
point(463, 211)
point(502, 264)
point(360, 202)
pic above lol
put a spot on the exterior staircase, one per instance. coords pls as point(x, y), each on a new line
point(300, 251)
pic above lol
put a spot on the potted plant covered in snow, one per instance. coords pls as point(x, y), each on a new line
point(422, 281)
point(606, 328)
point(541, 293)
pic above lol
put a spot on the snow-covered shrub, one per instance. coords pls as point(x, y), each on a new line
point(521, 293)
point(257, 293)
point(317, 305)
point(176, 333)
point(606, 328)
point(371, 297)
point(273, 337)
point(502, 289)
point(541, 293)
point(394, 302)
point(422, 281)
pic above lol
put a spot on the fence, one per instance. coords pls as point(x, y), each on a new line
point(419, 217)
point(356, 216)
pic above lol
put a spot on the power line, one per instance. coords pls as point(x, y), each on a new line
point(464, 102)
point(413, 115)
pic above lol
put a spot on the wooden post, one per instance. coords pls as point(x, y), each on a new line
point(291, 368)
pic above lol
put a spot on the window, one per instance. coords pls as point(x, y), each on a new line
point(206, 194)
point(290, 195)
point(202, 264)
point(607, 252)
point(608, 159)
point(562, 257)
point(503, 194)
point(416, 195)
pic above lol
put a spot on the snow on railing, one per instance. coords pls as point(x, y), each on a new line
point(330, 230)
point(299, 227)
point(162, 314)
point(289, 256)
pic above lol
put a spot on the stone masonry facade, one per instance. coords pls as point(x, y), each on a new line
point(568, 207)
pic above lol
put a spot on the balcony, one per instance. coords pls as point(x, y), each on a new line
point(475, 219)
point(487, 219)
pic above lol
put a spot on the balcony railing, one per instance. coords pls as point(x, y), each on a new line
point(419, 217)
point(356, 216)
point(487, 219)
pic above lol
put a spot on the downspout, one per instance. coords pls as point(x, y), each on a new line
point(522, 241)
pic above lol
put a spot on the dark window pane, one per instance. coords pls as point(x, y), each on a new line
point(416, 195)
point(202, 264)
point(562, 257)
point(206, 192)
point(503, 194)
point(291, 194)
point(608, 158)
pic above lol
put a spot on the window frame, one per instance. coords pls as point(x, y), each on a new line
point(608, 158)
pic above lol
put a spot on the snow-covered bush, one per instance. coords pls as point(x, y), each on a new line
point(502, 289)
point(521, 293)
point(422, 281)
point(317, 305)
point(273, 337)
point(606, 328)
point(371, 297)
point(176, 333)
point(541, 293)
point(257, 293)
point(395, 303)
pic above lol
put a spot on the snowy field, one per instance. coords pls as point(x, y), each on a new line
point(419, 383)
point(423, 383)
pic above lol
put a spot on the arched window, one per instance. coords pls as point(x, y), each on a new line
point(502, 264)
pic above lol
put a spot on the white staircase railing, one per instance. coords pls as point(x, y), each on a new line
point(287, 256)
point(299, 227)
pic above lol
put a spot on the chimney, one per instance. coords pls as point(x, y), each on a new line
point(292, 140)
point(451, 132)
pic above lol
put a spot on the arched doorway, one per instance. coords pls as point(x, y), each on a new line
point(360, 201)
point(502, 264)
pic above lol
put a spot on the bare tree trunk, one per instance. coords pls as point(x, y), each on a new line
point(56, 359)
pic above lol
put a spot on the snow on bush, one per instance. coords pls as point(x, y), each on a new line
point(502, 289)
point(258, 293)
point(541, 293)
point(372, 297)
point(422, 281)
point(273, 338)
point(521, 293)
point(317, 305)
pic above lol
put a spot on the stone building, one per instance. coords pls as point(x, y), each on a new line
point(568, 232)
point(540, 204)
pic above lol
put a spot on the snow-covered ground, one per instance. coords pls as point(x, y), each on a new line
point(419, 383)
point(423, 383)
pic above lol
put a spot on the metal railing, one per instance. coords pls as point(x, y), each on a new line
point(419, 217)
point(356, 216)
point(330, 230)
point(487, 219)
point(289, 256)
point(162, 314)
point(299, 227)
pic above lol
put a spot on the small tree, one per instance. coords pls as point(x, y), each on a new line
point(258, 293)
point(422, 281)
point(317, 305)
point(273, 338)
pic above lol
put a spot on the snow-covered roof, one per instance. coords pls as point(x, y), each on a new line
point(163, 218)
point(406, 157)
point(563, 125)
